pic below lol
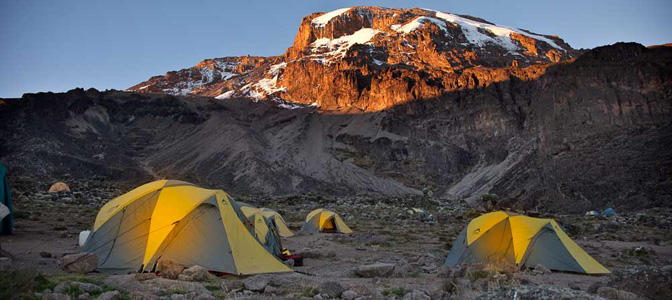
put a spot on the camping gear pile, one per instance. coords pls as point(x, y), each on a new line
point(175, 221)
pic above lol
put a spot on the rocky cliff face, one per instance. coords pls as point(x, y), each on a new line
point(373, 58)
point(584, 134)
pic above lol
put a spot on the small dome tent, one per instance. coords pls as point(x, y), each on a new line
point(520, 240)
point(59, 187)
point(414, 211)
point(262, 228)
point(323, 220)
point(177, 221)
point(6, 211)
point(609, 212)
point(279, 221)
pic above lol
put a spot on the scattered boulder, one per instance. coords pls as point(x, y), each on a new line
point(416, 295)
point(332, 288)
point(87, 287)
point(349, 295)
point(144, 276)
point(197, 273)
point(136, 295)
point(55, 296)
point(183, 277)
point(594, 287)
point(575, 286)
point(232, 285)
point(84, 296)
point(45, 254)
point(256, 283)
point(614, 294)
point(536, 292)
point(649, 282)
point(374, 270)
point(289, 263)
point(169, 269)
point(62, 287)
point(187, 296)
point(205, 296)
point(80, 263)
point(111, 295)
point(541, 269)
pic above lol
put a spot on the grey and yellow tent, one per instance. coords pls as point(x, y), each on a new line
point(7, 212)
point(59, 187)
point(262, 228)
point(279, 222)
point(521, 240)
point(175, 220)
point(323, 220)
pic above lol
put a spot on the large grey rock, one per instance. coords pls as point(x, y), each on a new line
point(349, 295)
point(256, 283)
point(55, 296)
point(111, 295)
point(197, 273)
point(87, 287)
point(84, 296)
point(144, 276)
point(332, 288)
point(169, 269)
point(615, 294)
point(374, 270)
point(80, 263)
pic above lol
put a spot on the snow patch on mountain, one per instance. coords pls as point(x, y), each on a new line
point(226, 95)
point(327, 48)
point(322, 20)
point(417, 23)
point(474, 32)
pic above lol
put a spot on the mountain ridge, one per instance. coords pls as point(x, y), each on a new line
point(352, 57)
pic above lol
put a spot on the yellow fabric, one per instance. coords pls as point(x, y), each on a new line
point(587, 262)
point(313, 213)
point(325, 216)
point(480, 225)
point(173, 205)
point(341, 225)
point(523, 229)
point(58, 187)
point(256, 216)
point(323, 220)
point(283, 230)
point(117, 204)
point(249, 256)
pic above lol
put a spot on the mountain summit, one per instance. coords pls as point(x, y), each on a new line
point(373, 58)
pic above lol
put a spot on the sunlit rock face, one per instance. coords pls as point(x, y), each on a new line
point(373, 58)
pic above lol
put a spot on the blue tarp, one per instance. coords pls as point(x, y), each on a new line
point(7, 224)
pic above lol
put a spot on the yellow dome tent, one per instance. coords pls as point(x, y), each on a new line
point(323, 220)
point(521, 240)
point(59, 187)
point(175, 220)
point(262, 228)
point(280, 223)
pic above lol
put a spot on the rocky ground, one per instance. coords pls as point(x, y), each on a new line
point(390, 255)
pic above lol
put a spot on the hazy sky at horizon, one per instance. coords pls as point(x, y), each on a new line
point(59, 45)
